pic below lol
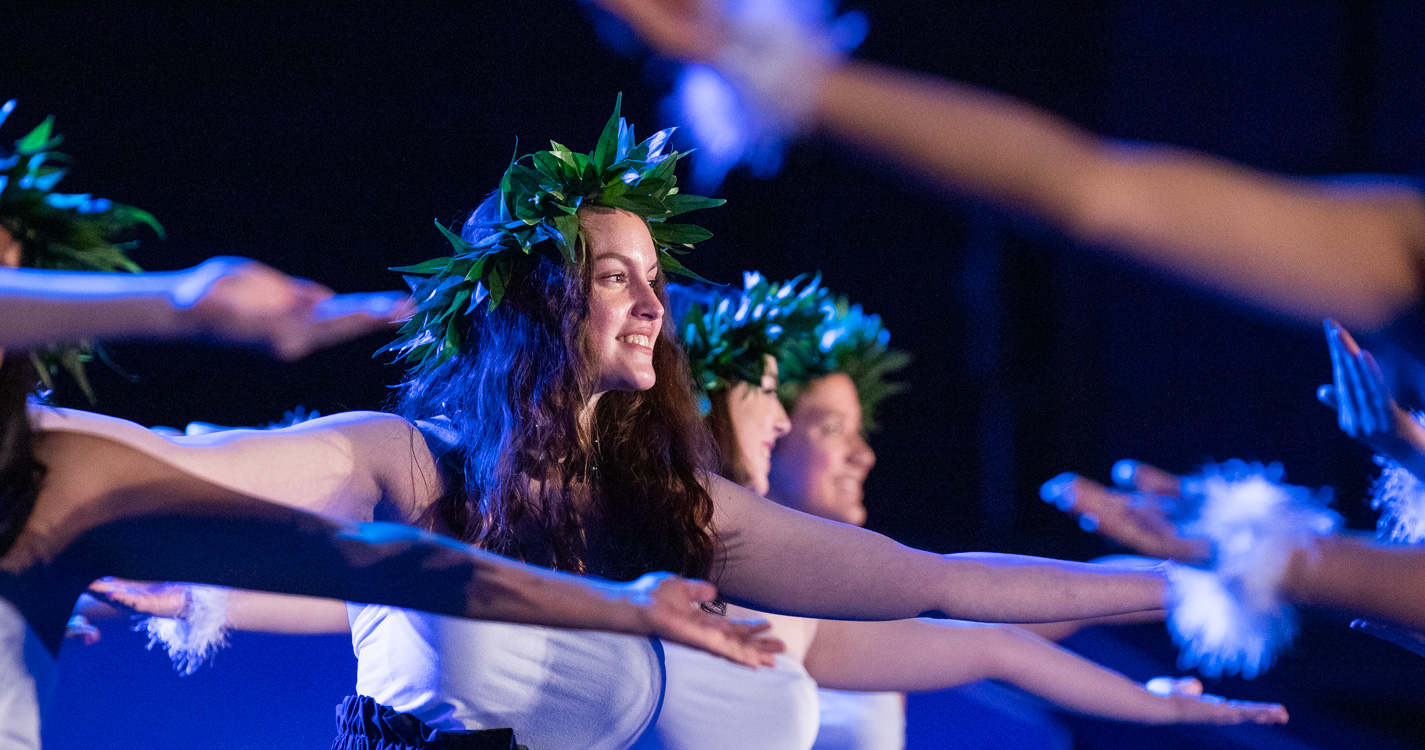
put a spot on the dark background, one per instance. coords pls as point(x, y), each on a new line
point(324, 140)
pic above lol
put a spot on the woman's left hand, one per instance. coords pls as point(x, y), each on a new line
point(157, 599)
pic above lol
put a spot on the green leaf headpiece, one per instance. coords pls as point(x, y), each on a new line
point(728, 333)
point(851, 342)
point(539, 204)
point(61, 231)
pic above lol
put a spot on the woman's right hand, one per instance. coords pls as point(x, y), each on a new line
point(672, 609)
point(247, 303)
point(1364, 407)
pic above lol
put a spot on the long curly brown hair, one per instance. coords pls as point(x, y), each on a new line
point(617, 495)
point(20, 472)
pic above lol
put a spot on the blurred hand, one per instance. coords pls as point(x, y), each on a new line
point(671, 608)
point(240, 301)
point(158, 599)
point(689, 30)
point(1364, 407)
point(80, 627)
point(1136, 518)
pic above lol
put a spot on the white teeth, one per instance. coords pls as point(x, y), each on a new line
point(637, 339)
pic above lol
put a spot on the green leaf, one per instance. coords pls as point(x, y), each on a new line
point(607, 149)
point(434, 265)
point(37, 139)
point(680, 203)
point(550, 166)
point(456, 241)
point(677, 234)
point(499, 278)
point(133, 215)
point(568, 227)
point(670, 265)
point(643, 205)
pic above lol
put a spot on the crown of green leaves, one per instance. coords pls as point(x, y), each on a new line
point(539, 211)
point(61, 231)
point(847, 341)
point(729, 333)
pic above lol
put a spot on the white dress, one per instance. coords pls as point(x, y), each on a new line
point(861, 721)
point(27, 675)
point(713, 704)
point(556, 688)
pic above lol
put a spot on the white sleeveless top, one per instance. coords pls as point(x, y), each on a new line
point(714, 704)
point(27, 676)
point(558, 689)
point(861, 721)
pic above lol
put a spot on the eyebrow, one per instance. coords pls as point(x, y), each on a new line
point(626, 259)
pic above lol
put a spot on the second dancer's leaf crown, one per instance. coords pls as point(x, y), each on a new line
point(729, 333)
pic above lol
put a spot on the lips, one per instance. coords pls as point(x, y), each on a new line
point(639, 340)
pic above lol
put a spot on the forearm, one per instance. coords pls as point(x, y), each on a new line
point(923, 655)
point(42, 307)
point(1358, 575)
point(1074, 683)
point(282, 613)
point(971, 139)
point(1300, 248)
point(1058, 631)
point(779, 560)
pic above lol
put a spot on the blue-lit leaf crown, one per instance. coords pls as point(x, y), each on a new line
point(851, 342)
point(539, 203)
point(61, 231)
point(728, 333)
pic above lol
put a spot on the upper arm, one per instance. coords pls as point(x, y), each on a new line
point(341, 466)
point(780, 560)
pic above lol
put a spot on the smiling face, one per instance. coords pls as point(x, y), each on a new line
point(758, 421)
point(625, 314)
point(820, 466)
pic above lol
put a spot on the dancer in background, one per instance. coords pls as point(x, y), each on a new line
point(1302, 248)
point(76, 506)
point(817, 465)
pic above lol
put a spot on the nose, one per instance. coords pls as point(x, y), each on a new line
point(862, 457)
point(781, 423)
point(646, 305)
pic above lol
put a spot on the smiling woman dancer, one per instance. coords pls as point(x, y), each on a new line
point(563, 423)
point(818, 465)
point(74, 507)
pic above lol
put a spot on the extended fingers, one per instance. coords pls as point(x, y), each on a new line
point(1134, 475)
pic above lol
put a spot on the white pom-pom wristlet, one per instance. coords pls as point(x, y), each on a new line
point(197, 633)
point(1231, 618)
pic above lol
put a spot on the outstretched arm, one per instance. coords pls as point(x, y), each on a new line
point(1340, 571)
point(120, 512)
point(225, 300)
point(1300, 248)
point(915, 655)
point(779, 560)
